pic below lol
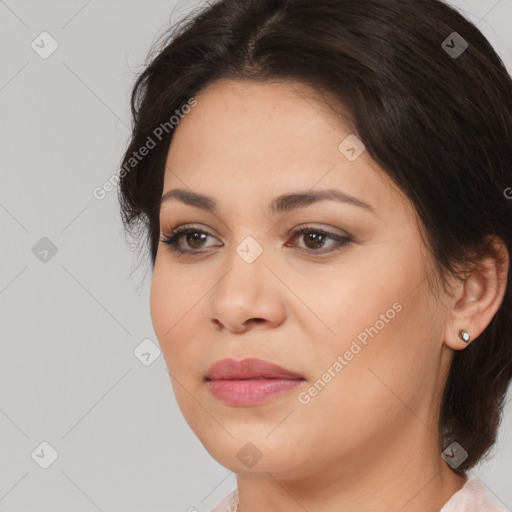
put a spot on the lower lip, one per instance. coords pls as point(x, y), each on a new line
point(250, 391)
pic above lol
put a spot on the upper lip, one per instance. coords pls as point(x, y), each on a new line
point(250, 368)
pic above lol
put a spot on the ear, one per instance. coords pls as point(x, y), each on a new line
point(477, 297)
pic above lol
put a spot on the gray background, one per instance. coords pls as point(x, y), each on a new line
point(70, 324)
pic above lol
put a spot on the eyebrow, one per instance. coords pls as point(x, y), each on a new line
point(280, 204)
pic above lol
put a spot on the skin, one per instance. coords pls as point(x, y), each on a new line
point(368, 440)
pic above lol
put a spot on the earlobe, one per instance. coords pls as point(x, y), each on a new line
point(464, 335)
point(478, 298)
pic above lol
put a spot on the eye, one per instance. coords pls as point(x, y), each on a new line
point(315, 239)
point(193, 237)
point(191, 240)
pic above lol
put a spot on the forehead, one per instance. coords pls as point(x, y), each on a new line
point(257, 136)
point(235, 120)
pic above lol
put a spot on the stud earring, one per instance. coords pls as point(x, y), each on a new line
point(464, 335)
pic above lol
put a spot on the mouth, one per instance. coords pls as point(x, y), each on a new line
point(249, 381)
point(250, 368)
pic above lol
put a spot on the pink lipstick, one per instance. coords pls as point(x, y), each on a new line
point(249, 381)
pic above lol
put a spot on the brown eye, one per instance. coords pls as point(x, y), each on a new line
point(314, 239)
point(187, 240)
point(191, 241)
point(195, 239)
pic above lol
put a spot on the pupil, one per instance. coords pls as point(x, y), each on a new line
point(316, 238)
point(196, 238)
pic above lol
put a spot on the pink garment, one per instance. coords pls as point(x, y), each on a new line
point(472, 497)
point(228, 504)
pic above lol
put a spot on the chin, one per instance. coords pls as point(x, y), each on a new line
point(250, 451)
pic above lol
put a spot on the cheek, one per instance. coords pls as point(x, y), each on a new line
point(168, 302)
point(376, 385)
point(366, 290)
point(175, 307)
point(389, 357)
point(159, 303)
point(165, 314)
point(377, 315)
point(172, 297)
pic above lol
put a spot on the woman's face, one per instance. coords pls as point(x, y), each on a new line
point(355, 321)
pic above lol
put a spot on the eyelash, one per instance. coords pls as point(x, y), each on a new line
point(173, 237)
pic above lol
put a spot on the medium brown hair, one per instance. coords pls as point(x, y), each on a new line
point(439, 124)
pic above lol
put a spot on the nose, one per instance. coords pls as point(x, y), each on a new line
point(247, 295)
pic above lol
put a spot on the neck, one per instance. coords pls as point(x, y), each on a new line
point(373, 479)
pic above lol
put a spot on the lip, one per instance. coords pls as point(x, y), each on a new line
point(249, 368)
point(249, 381)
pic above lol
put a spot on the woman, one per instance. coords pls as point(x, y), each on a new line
point(324, 189)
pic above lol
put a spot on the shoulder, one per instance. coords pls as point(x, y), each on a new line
point(472, 497)
point(228, 504)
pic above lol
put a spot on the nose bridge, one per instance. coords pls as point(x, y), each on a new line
point(247, 264)
point(250, 250)
point(244, 291)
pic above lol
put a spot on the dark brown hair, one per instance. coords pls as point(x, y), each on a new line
point(439, 122)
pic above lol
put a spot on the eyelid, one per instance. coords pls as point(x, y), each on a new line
point(304, 226)
point(178, 232)
point(174, 236)
point(329, 230)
